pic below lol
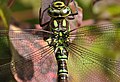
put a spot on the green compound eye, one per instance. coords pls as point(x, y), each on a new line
point(65, 11)
point(59, 10)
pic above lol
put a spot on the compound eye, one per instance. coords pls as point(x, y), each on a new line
point(65, 11)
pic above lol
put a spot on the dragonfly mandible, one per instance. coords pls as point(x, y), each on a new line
point(34, 50)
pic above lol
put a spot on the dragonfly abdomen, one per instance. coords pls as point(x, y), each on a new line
point(62, 57)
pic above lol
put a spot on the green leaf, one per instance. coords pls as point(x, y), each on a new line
point(5, 15)
point(114, 9)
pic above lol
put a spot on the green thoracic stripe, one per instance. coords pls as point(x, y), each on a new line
point(55, 23)
point(64, 23)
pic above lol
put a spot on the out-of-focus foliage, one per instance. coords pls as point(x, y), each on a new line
point(4, 15)
point(3, 1)
point(107, 9)
point(102, 9)
point(86, 5)
point(26, 10)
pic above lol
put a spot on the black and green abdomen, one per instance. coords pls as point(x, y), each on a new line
point(62, 57)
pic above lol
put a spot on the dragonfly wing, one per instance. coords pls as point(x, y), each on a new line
point(32, 59)
point(5, 73)
point(87, 58)
point(85, 65)
point(4, 49)
point(103, 36)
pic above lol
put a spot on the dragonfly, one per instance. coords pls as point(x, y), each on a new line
point(57, 53)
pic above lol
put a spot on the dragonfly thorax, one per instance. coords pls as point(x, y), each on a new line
point(60, 38)
point(60, 29)
point(59, 10)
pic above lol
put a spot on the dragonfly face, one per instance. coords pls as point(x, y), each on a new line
point(59, 10)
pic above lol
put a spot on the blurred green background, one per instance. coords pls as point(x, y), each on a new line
point(27, 11)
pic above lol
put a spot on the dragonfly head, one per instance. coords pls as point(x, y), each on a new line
point(59, 10)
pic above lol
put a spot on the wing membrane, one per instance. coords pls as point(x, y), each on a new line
point(97, 36)
point(32, 58)
point(92, 53)
point(90, 65)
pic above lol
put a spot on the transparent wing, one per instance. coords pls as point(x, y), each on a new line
point(92, 53)
point(32, 59)
point(97, 36)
